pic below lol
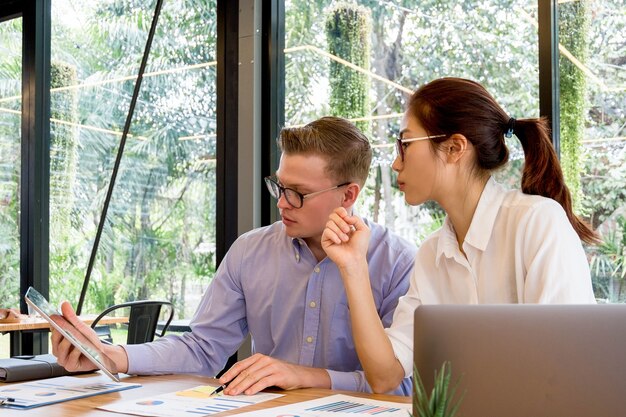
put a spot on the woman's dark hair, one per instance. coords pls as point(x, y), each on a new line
point(456, 105)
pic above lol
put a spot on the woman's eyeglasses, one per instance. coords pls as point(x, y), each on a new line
point(293, 197)
point(402, 143)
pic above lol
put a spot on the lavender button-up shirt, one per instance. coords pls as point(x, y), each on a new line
point(295, 308)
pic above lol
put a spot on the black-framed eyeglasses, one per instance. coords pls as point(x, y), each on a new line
point(293, 197)
point(402, 143)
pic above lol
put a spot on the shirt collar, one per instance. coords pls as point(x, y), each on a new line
point(480, 229)
point(298, 244)
point(446, 243)
point(484, 219)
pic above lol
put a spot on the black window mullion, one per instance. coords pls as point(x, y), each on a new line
point(549, 67)
point(272, 96)
point(35, 165)
point(227, 122)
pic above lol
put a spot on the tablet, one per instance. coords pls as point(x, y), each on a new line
point(39, 303)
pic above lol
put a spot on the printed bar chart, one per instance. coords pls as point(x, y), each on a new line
point(353, 408)
point(336, 406)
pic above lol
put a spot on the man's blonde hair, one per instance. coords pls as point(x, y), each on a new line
point(346, 149)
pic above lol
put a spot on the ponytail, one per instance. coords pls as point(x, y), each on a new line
point(542, 172)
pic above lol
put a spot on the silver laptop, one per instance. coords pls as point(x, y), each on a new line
point(527, 360)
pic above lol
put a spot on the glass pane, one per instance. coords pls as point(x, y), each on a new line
point(593, 137)
point(10, 133)
point(392, 48)
point(159, 236)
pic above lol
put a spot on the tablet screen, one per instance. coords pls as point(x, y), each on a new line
point(71, 333)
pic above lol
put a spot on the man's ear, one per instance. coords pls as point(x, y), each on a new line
point(454, 148)
point(350, 194)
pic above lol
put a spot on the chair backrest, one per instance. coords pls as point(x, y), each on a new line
point(142, 319)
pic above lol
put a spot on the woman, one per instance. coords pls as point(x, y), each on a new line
point(495, 246)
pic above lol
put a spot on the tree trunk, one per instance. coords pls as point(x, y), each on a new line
point(386, 62)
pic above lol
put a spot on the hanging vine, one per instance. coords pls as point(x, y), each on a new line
point(348, 28)
point(574, 21)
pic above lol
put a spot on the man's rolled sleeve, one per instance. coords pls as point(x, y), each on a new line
point(138, 359)
point(356, 381)
point(348, 381)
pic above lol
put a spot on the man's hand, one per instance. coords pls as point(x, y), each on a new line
point(68, 356)
point(258, 372)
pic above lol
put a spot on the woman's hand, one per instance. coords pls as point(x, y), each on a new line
point(345, 239)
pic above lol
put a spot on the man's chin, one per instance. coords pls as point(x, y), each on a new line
point(291, 232)
point(295, 232)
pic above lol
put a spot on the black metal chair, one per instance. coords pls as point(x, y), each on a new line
point(142, 321)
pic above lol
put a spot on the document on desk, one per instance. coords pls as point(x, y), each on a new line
point(54, 390)
point(335, 406)
point(195, 401)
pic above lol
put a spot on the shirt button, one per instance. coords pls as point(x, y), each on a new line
point(317, 269)
point(312, 304)
point(297, 257)
point(309, 339)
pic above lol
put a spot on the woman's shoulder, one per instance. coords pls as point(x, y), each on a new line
point(533, 215)
point(527, 203)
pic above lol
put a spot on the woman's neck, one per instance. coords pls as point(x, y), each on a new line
point(460, 204)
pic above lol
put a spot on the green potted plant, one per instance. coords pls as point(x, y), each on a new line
point(440, 403)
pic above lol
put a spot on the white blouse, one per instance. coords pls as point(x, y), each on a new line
point(520, 249)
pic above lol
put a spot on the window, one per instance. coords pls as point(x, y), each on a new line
point(361, 61)
point(159, 236)
point(10, 163)
point(593, 143)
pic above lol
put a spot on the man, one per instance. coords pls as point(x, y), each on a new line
point(277, 284)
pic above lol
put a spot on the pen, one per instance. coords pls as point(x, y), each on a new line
point(7, 400)
point(219, 389)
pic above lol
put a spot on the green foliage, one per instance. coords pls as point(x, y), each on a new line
point(9, 256)
point(608, 264)
point(604, 199)
point(161, 224)
point(10, 86)
point(348, 31)
point(163, 203)
point(440, 403)
point(304, 28)
point(412, 43)
point(9, 220)
point(438, 216)
point(603, 183)
point(63, 147)
point(574, 20)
